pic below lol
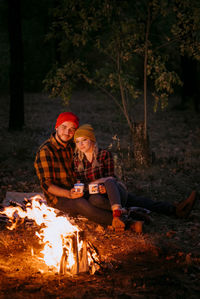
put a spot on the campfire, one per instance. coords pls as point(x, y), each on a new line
point(64, 246)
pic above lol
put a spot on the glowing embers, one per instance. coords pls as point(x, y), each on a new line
point(64, 245)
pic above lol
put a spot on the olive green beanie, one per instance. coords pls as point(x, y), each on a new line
point(85, 131)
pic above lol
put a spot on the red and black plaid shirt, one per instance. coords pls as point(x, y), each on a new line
point(54, 165)
point(90, 173)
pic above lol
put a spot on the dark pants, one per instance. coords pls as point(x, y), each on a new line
point(97, 207)
point(82, 206)
point(160, 207)
point(117, 194)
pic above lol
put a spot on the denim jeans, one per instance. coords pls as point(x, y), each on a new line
point(117, 194)
point(82, 206)
point(160, 207)
point(97, 207)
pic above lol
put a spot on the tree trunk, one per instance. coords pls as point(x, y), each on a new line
point(141, 148)
point(190, 77)
point(16, 116)
point(145, 70)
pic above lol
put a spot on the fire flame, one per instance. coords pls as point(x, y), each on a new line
point(54, 232)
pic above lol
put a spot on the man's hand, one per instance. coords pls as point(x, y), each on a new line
point(102, 189)
point(73, 194)
point(61, 192)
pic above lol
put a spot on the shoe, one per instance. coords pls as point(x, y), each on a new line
point(118, 222)
point(140, 216)
point(184, 208)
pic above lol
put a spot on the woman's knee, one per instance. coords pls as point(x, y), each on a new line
point(109, 182)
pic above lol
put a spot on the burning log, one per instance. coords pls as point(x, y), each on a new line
point(80, 256)
point(4, 219)
point(14, 220)
point(84, 253)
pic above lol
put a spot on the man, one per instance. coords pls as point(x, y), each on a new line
point(53, 165)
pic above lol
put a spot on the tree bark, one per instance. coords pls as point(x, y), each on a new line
point(190, 77)
point(145, 70)
point(141, 148)
point(16, 114)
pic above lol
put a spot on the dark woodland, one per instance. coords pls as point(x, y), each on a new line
point(46, 70)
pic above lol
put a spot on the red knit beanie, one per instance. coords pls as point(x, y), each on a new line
point(67, 116)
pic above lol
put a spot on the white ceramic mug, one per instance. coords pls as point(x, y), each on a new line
point(93, 188)
point(79, 187)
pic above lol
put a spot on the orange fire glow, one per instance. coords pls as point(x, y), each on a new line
point(54, 231)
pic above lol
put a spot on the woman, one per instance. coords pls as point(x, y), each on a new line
point(96, 166)
point(92, 164)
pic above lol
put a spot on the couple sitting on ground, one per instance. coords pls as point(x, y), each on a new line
point(71, 154)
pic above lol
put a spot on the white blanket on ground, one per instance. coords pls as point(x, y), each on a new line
point(18, 197)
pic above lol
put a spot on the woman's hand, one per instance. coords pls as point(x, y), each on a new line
point(102, 189)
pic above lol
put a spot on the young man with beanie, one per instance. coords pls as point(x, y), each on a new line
point(53, 165)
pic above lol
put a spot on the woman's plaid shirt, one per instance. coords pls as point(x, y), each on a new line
point(54, 165)
point(90, 173)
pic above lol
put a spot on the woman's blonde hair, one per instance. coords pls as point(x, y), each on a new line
point(80, 156)
point(87, 131)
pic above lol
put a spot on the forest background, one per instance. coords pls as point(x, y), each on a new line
point(147, 46)
point(174, 136)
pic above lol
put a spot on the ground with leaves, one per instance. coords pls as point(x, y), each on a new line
point(163, 261)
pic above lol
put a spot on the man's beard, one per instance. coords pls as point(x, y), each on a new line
point(60, 139)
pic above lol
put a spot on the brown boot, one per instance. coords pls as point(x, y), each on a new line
point(184, 208)
point(140, 216)
point(118, 223)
